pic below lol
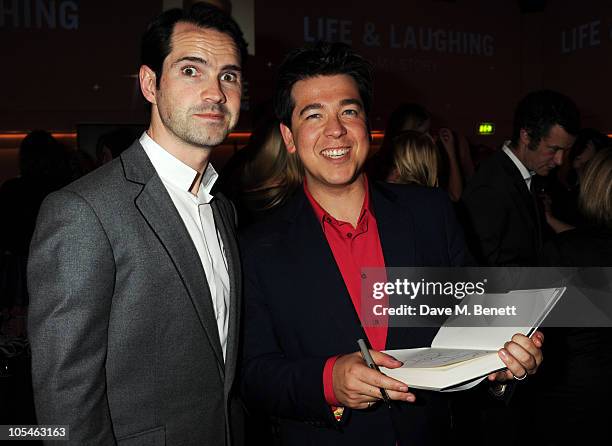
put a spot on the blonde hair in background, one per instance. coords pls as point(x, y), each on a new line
point(596, 189)
point(415, 159)
point(272, 173)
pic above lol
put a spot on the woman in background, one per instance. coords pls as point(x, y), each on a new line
point(262, 175)
point(561, 202)
point(414, 159)
point(415, 117)
point(574, 391)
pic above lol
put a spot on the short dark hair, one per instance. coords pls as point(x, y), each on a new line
point(541, 110)
point(156, 42)
point(586, 136)
point(320, 59)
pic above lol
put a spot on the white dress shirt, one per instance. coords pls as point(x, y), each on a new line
point(526, 173)
point(196, 212)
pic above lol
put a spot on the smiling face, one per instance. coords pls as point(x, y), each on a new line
point(328, 130)
point(198, 100)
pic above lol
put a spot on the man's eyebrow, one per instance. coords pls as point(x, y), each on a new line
point(352, 101)
point(232, 68)
point(315, 106)
point(201, 61)
point(194, 59)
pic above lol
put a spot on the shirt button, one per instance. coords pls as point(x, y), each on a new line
point(349, 235)
point(328, 220)
point(363, 276)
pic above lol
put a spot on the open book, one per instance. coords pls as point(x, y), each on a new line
point(461, 355)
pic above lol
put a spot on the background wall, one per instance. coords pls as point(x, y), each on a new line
point(68, 62)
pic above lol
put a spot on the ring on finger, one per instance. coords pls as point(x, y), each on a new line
point(520, 378)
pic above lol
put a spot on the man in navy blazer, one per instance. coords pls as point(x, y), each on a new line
point(505, 221)
point(303, 265)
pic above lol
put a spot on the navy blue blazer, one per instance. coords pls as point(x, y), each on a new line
point(299, 313)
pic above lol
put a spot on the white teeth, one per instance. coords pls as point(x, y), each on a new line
point(335, 153)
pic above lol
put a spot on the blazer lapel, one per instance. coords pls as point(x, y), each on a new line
point(527, 199)
point(395, 229)
point(398, 239)
point(223, 222)
point(155, 205)
point(326, 287)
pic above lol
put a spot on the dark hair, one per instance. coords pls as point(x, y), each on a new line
point(541, 110)
point(586, 136)
point(156, 42)
point(408, 116)
point(116, 141)
point(43, 159)
point(320, 59)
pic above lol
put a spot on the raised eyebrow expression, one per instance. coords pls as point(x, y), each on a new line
point(343, 103)
point(236, 69)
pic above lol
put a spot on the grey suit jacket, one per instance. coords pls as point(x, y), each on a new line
point(125, 346)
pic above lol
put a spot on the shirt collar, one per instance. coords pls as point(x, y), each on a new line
point(178, 174)
point(325, 217)
point(525, 173)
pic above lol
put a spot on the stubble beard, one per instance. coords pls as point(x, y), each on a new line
point(185, 127)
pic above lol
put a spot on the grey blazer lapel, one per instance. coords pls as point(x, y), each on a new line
point(157, 208)
point(224, 221)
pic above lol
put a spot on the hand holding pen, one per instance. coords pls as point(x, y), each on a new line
point(359, 387)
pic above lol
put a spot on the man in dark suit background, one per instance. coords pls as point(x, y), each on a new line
point(505, 225)
point(303, 268)
point(503, 218)
point(134, 272)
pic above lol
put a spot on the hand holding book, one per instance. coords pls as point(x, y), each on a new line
point(357, 386)
point(522, 356)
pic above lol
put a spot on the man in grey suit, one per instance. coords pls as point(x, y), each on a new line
point(134, 272)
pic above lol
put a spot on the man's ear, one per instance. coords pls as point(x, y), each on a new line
point(524, 139)
point(287, 138)
point(148, 83)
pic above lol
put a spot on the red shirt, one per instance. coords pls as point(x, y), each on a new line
point(353, 249)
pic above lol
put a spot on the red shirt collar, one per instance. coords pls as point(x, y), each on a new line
point(325, 217)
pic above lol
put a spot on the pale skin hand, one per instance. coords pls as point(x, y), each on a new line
point(522, 355)
point(455, 183)
point(448, 141)
point(356, 385)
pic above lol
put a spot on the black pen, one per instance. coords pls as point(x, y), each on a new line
point(367, 357)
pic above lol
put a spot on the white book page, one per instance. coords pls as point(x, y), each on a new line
point(465, 386)
point(532, 305)
point(436, 357)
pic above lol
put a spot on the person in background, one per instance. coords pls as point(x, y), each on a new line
point(415, 159)
point(262, 175)
point(43, 168)
point(560, 193)
point(502, 213)
point(415, 117)
point(112, 144)
point(572, 391)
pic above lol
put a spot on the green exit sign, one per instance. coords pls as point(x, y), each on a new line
point(486, 128)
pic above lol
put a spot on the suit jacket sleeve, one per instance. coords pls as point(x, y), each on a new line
point(271, 381)
point(487, 217)
point(457, 251)
point(70, 279)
